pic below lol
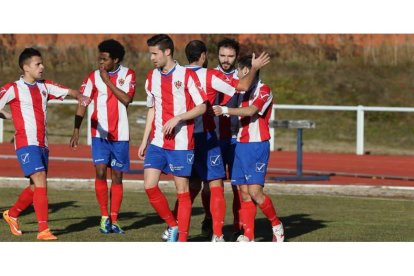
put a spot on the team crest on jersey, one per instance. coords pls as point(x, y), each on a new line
point(121, 82)
point(178, 84)
point(43, 93)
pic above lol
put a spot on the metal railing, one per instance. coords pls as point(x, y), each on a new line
point(360, 110)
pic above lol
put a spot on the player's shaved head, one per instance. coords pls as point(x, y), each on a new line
point(163, 42)
point(113, 47)
point(194, 49)
point(26, 55)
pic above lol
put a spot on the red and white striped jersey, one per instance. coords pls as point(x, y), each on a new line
point(109, 118)
point(213, 82)
point(28, 106)
point(227, 127)
point(256, 128)
point(172, 94)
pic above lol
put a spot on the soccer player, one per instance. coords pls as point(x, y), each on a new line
point(174, 98)
point(228, 126)
point(208, 165)
point(28, 99)
point(112, 89)
point(252, 153)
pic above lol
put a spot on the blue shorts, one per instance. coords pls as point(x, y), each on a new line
point(175, 162)
point(250, 163)
point(227, 147)
point(208, 163)
point(33, 159)
point(115, 154)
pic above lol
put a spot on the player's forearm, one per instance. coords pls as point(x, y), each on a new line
point(119, 94)
point(242, 111)
point(148, 126)
point(73, 93)
point(80, 113)
point(193, 113)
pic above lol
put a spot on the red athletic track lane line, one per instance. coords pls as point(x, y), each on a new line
point(326, 162)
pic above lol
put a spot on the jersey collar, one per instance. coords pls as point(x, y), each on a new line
point(234, 71)
point(28, 84)
point(193, 67)
point(115, 71)
point(169, 72)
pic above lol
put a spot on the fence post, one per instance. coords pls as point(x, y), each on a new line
point(272, 131)
point(90, 111)
point(360, 130)
point(1, 131)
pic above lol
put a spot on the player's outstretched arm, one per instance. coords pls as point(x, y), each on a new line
point(5, 115)
point(191, 114)
point(148, 126)
point(80, 113)
point(83, 100)
point(257, 63)
point(238, 111)
point(119, 94)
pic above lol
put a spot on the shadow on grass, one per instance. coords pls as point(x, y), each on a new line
point(151, 219)
point(294, 226)
point(53, 207)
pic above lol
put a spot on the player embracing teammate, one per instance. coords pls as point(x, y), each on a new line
point(252, 153)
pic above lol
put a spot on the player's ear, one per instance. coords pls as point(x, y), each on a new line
point(167, 52)
point(116, 60)
point(26, 67)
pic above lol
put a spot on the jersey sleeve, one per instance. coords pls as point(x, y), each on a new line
point(56, 91)
point(150, 97)
point(6, 95)
point(263, 99)
point(87, 88)
point(195, 89)
point(129, 85)
point(221, 83)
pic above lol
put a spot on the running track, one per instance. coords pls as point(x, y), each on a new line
point(348, 169)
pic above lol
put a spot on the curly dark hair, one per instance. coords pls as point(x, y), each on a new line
point(113, 47)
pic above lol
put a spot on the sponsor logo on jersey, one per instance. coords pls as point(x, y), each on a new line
point(178, 84)
point(264, 96)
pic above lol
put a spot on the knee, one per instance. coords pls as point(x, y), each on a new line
point(257, 196)
point(101, 173)
point(116, 178)
point(245, 196)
